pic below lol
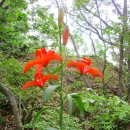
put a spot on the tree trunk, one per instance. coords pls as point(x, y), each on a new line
point(128, 96)
point(121, 39)
point(13, 103)
point(121, 66)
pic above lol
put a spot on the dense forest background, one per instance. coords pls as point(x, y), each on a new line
point(99, 30)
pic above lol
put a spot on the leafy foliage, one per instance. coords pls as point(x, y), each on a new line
point(13, 25)
point(12, 76)
point(12, 72)
point(80, 3)
point(45, 27)
point(106, 113)
point(48, 119)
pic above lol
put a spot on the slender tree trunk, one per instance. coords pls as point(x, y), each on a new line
point(74, 45)
point(13, 103)
point(105, 49)
point(121, 39)
point(120, 67)
point(128, 96)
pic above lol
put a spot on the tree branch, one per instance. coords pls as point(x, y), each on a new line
point(95, 30)
point(98, 17)
point(74, 44)
point(117, 9)
point(94, 49)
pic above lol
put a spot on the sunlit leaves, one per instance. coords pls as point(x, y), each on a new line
point(80, 3)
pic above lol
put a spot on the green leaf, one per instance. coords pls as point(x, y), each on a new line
point(58, 68)
point(69, 104)
point(48, 92)
point(6, 3)
point(78, 101)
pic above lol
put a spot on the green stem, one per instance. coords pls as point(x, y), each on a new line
point(73, 86)
point(61, 85)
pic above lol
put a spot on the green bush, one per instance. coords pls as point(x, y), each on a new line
point(105, 113)
point(12, 72)
point(12, 76)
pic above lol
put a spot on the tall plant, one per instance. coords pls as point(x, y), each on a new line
point(43, 59)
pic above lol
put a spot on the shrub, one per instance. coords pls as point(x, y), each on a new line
point(105, 113)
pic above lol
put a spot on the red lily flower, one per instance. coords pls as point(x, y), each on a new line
point(43, 58)
point(65, 35)
point(79, 66)
point(95, 72)
point(39, 80)
point(84, 67)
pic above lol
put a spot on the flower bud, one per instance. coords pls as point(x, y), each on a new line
point(65, 34)
point(60, 17)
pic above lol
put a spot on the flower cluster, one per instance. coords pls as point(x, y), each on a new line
point(43, 58)
point(84, 67)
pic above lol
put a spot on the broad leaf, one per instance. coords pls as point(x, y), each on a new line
point(48, 92)
point(78, 101)
point(70, 104)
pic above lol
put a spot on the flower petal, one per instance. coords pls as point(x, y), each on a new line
point(95, 72)
point(79, 66)
point(38, 76)
point(30, 64)
point(31, 83)
point(39, 68)
point(40, 53)
point(43, 50)
point(48, 77)
point(56, 57)
point(86, 61)
point(51, 55)
point(55, 77)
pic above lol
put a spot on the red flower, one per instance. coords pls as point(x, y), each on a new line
point(79, 66)
point(84, 67)
point(39, 80)
point(65, 35)
point(43, 58)
point(86, 61)
point(39, 54)
point(95, 72)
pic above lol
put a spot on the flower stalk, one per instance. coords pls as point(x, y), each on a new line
point(44, 57)
point(61, 84)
